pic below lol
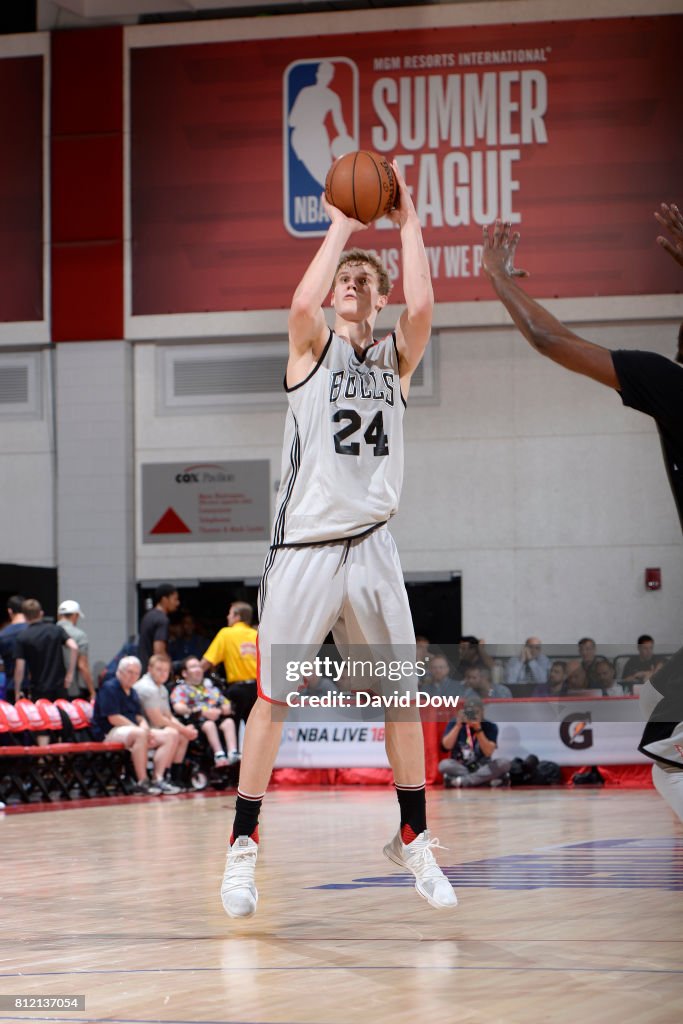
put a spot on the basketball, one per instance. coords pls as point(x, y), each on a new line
point(362, 185)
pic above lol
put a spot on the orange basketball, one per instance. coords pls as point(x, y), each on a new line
point(362, 185)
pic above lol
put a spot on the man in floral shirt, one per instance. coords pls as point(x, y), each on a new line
point(198, 698)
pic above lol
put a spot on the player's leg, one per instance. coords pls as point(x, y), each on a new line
point(376, 615)
point(301, 595)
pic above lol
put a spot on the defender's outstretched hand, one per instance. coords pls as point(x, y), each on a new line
point(499, 251)
point(671, 219)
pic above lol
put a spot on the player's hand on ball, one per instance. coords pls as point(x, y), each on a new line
point(336, 215)
point(405, 208)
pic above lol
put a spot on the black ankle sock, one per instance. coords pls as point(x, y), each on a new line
point(413, 805)
point(247, 810)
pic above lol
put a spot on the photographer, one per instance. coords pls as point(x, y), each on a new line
point(471, 739)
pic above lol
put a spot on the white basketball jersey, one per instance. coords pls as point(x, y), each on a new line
point(342, 460)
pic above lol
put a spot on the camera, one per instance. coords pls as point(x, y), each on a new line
point(471, 712)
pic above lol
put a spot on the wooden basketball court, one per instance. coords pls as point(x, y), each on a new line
point(571, 910)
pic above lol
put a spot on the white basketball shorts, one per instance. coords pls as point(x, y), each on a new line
point(352, 588)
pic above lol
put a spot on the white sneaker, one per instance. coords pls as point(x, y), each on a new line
point(166, 788)
point(417, 857)
point(238, 890)
point(234, 756)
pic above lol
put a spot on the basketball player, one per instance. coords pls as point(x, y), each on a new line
point(333, 564)
point(645, 381)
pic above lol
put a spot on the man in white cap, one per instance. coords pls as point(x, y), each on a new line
point(68, 614)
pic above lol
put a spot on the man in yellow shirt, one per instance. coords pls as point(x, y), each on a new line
point(235, 647)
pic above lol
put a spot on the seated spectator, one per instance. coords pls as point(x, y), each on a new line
point(606, 677)
point(588, 655)
point(118, 718)
point(471, 740)
point(644, 664)
point(156, 707)
point(422, 652)
point(532, 666)
point(577, 680)
point(439, 679)
point(186, 642)
point(478, 685)
point(471, 654)
point(557, 682)
point(198, 698)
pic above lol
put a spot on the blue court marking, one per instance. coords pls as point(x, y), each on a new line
point(601, 864)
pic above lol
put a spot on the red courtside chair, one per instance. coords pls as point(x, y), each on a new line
point(50, 715)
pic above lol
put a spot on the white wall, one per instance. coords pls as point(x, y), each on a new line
point(27, 451)
point(94, 415)
point(546, 493)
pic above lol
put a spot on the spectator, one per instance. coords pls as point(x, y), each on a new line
point(472, 654)
point(199, 698)
point(606, 678)
point(68, 614)
point(577, 680)
point(587, 653)
point(156, 707)
point(478, 685)
point(118, 718)
point(187, 643)
point(126, 650)
point(440, 679)
point(235, 647)
point(422, 653)
point(154, 625)
point(532, 666)
point(8, 640)
point(557, 682)
point(39, 648)
point(471, 739)
point(642, 665)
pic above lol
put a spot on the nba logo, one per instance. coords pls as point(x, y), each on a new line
point(320, 123)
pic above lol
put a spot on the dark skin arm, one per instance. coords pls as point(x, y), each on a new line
point(671, 219)
point(546, 334)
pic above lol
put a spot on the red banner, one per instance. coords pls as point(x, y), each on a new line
point(21, 189)
point(570, 129)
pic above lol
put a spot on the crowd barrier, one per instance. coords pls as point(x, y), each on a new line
point(572, 731)
point(70, 766)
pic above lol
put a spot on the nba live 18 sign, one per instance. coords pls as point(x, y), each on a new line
point(205, 501)
point(564, 129)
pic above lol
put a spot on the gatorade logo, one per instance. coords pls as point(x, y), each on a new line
point(576, 732)
point(320, 123)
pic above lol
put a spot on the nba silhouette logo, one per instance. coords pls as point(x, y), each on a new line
point(320, 123)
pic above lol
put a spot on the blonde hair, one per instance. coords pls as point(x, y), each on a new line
point(355, 256)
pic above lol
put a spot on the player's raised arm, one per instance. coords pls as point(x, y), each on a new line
point(415, 323)
point(546, 334)
point(307, 327)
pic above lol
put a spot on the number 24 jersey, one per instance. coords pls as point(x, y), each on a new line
point(342, 458)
